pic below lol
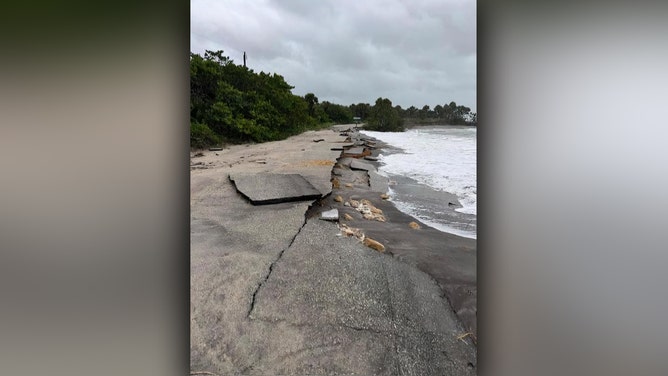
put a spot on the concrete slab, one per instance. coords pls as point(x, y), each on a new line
point(358, 165)
point(267, 188)
point(355, 150)
point(345, 161)
point(341, 147)
point(378, 182)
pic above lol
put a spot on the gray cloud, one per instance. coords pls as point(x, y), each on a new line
point(413, 52)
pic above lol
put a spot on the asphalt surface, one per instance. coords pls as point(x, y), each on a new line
point(267, 188)
point(277, 291)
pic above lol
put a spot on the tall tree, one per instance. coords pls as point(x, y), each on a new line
point(383, 117)
point(439, 111)
point(312, 102)
point(400, 111)
point(337, 113)
point(424, 112)
point(361, 110)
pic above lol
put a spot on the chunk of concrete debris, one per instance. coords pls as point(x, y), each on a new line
point(414, 226)
point(330, 215)
point(268, 188)
point(338, 198)
point(373, 217)
point(378, 183)
point(350, 231)
point(373, 244)
point(354, 152)
point(385, 196)
point(359, 165)
point(368, 210)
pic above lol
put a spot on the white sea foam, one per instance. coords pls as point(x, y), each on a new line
point(443, 158)
point(425, 215)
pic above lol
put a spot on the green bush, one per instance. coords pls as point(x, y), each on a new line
point(239, 105)
point(201, 136)
point(384, 118)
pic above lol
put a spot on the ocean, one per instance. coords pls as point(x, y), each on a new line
point(425, 166)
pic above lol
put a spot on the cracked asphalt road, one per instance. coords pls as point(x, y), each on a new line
point(273, 294)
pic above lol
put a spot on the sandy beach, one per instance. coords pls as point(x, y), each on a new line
point(277, 290)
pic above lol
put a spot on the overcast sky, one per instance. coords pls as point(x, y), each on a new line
point(414, 52)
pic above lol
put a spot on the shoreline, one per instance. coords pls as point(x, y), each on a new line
point(447, 257)
point(448, 218)
point(272, 286)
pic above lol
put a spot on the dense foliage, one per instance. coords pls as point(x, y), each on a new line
point(202, 136)
point(337, 113)
point(451, 114)
point(239, 105)
point(231, 103)
point(383, 117)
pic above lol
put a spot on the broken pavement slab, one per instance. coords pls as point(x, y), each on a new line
point(269, 188)
point(355, 152)
point(378, 182)
point(358, 165)
point(342, 147)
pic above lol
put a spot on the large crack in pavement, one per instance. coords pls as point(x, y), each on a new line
point(307, 214)
point(280, 255)
point(271, 268)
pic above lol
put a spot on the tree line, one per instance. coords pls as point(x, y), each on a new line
point(449, 113)
point(232, 103)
